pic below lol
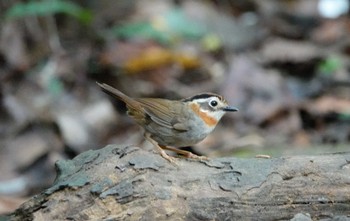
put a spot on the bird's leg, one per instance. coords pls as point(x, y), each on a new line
point(185, 153)
point(159, 148)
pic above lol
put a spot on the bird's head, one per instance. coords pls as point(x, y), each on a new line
point(209, 107)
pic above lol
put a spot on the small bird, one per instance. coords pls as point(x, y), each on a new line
point(174, 123)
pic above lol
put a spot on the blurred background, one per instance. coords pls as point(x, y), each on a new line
point(285, 64)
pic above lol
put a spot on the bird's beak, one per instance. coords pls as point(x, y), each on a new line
point(228, 108)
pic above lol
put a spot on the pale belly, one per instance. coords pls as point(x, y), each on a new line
point(171, 137)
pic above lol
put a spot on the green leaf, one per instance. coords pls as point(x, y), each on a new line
point(142, 30)
point(211, 42)
point(162, 28)
point(345, 116)
point(179, 24)
point(44, 8)
point(55, 86)
point(329, 66)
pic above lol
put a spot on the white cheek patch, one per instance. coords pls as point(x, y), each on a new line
point(219, 114)
point(216, 114)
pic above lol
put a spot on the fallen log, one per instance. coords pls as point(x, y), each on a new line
point(128, 183)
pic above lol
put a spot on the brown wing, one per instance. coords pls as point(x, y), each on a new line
point(160, 111)
point(164, 112)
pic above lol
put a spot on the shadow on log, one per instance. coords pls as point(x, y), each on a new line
point(127, 183)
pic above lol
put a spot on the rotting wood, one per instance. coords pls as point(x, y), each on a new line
point(128, 183)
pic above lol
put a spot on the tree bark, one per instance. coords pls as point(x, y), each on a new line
point(127, 183)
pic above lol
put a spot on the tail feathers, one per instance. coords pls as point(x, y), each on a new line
point(131, 103)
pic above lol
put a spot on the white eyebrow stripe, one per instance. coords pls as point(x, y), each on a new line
point(203, 96)
point(203, 100)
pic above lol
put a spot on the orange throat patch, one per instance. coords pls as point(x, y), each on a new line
point(210, 121)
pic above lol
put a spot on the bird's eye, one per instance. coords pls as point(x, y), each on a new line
point(213, 103)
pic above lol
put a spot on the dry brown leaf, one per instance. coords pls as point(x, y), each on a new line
point(328, 104)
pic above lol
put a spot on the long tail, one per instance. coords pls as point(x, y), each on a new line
point(130, 102)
